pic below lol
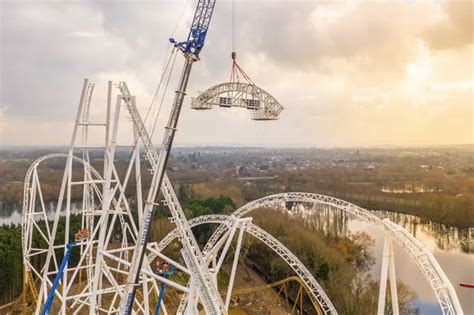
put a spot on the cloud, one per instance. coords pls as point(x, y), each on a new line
point(454, 29)
point(343, 70)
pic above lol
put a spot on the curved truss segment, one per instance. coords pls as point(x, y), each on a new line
point(237, 94)
point(317, 293)
point(27, 208)
point(118, 257)
point(426, 262)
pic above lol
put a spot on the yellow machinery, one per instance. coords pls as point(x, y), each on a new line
point(281, 287)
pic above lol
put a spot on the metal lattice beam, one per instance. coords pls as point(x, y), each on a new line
point(237, 94)
point(317, 293)
point(426, 262)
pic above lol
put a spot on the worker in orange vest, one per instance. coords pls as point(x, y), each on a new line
point(159, 266)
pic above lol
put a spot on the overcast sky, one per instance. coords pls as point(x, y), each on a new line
point(349, 73)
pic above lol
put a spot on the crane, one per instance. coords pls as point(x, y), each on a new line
point(190, 48)
point(165, 270)
point(49, 299)
point(80, 236)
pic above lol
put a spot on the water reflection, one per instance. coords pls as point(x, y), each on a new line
point(446, 237)
point(451, 246)
point(14, 214)
point(326, 219)
point(334, 222)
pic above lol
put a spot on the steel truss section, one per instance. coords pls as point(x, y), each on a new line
point(317, 293)
point(426, 262)
point(207, 290)
point(103, 204)
point(237, 94)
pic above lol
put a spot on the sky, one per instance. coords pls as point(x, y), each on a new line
point(348, 73)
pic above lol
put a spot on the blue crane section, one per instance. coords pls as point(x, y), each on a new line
point(49, 299)
point(79, 236)
point(197, 33)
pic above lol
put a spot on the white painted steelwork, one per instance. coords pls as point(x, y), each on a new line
point(103, 209)
point(262, 104)
point(233, 223)
point(429, 267)
point(105, 263)
point(207, 290)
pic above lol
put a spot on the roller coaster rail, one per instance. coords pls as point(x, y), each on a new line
point(202, 266)
point(317, 292)
point(257, 288)
point(430, 268)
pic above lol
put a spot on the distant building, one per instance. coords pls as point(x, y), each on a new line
point(263, 167)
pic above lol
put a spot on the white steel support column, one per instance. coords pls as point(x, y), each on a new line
point(68, 188)
point(106, 203)
point(213, 272)
point(107, 125)
point(226, 247)
point(234, 265)
point(383, 278)
point(190, 307)
point(64, 185)
point(393, 280)
point(138, 176)
point(388, 271)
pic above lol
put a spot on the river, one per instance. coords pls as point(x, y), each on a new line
point(452, 247)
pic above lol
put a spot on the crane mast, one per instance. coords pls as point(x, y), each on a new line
point(208, 293)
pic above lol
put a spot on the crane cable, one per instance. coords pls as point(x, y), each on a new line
point(172, 66)
point(151, 106)
point(166, 63)
point(236, 69)
point(234, 75)
point(233, 25)
point(164, 94)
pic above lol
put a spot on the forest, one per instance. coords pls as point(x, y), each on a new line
point(438, 186)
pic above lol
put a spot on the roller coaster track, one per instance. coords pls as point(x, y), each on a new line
point(282, 282)
point(428, 265)
point(191, 252)
point(430, 268)
point(317, 296)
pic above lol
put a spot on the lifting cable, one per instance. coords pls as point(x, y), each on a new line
point(164, 94)
point(236, 69)
point(233, 25)
point(167, 59)
point(150, 107)
point(164, 70)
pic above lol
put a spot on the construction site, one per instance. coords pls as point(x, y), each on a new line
point(97, 256)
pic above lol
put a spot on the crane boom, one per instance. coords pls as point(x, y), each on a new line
point(191, 49)
point(205, 286)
